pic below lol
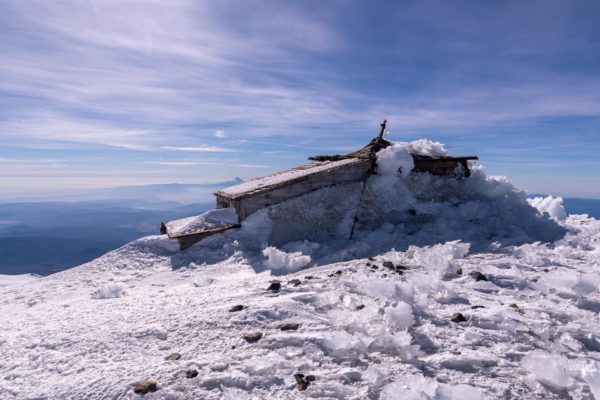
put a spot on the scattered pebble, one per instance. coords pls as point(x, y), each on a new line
point(291, 326)
point(191, 373)
point(274, 286)
point(360, 307)
point(294, 282)
point(146, 386)
point(302, 381)
point(458, 317)
point(478, 276)
point(253, 337)
point(173, 356)
point(388, 264)
point(514, 305)
point(476, 307)
point(237, 308)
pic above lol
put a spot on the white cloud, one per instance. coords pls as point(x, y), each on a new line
point(201, 149)
point(220, 134)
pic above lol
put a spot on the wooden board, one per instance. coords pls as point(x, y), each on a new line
point(188, 239)
point(251, 203)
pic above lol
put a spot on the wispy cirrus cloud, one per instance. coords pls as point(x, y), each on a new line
point(283, 79)
point(201, 149)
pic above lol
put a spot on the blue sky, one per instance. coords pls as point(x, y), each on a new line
point(112, 92)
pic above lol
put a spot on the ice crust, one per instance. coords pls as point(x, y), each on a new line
point(217, 218)
point(373, 313)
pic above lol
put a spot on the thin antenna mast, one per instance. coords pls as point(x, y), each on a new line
point(382, 132)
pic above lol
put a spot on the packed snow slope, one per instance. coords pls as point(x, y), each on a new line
point(447, 290)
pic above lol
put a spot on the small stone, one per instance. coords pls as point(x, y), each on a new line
point(476, 307)
point(384, 275)
point(374, 266)
point(371, 259)
point(302, 386)
point(299, 378)
point(291, 326)
point(237, 308)
point(360, 307)
point(514, 305)
point(478, 276)
point(191, 373)
point(546, 270)
point(144, 387)
point(388, 264)
point(294, 282)
point(274, 286)
point(459, 271)
point(309, 277)
point(253, 337)
point(173, 356)
point(458, 317)
point(338, 272)
point(310, 378)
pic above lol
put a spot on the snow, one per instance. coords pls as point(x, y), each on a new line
point(553, 206)
point(218, 218)
point(283, 176)
point(550, 369)
point(373, 312)
point(17, 280)
point(110, 291)
point(393, 158)
point(280, 260)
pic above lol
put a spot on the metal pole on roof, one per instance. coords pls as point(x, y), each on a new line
point(382, 128)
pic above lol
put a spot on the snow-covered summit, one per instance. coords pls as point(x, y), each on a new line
point(447, 290)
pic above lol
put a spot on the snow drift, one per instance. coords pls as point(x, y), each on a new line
point(395, 209)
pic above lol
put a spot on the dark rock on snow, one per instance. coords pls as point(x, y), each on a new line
point(291, 326)
point(274, 286)
point(191, 373)
point(173, 356)
point(237, 308)
point(294, 282)
point(302, 381)
point(144, 387)
point(478, 276)
point(458, 317)
point(253, 337)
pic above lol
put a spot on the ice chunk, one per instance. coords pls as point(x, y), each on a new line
point(278, 260)
point(413, 387)
point(394, 158)
point(591, 374)
point(458, 392)
point(553, 206)
point(399, 317)
point(109, 291)
point(418, 387)
point(440, 256)
point(203, 281)
point(342, 343)
point(212, 219)
point(549, 369)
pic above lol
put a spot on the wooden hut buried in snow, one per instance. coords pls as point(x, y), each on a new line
point(248, 197)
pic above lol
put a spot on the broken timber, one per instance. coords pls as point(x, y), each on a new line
point(324, 170)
